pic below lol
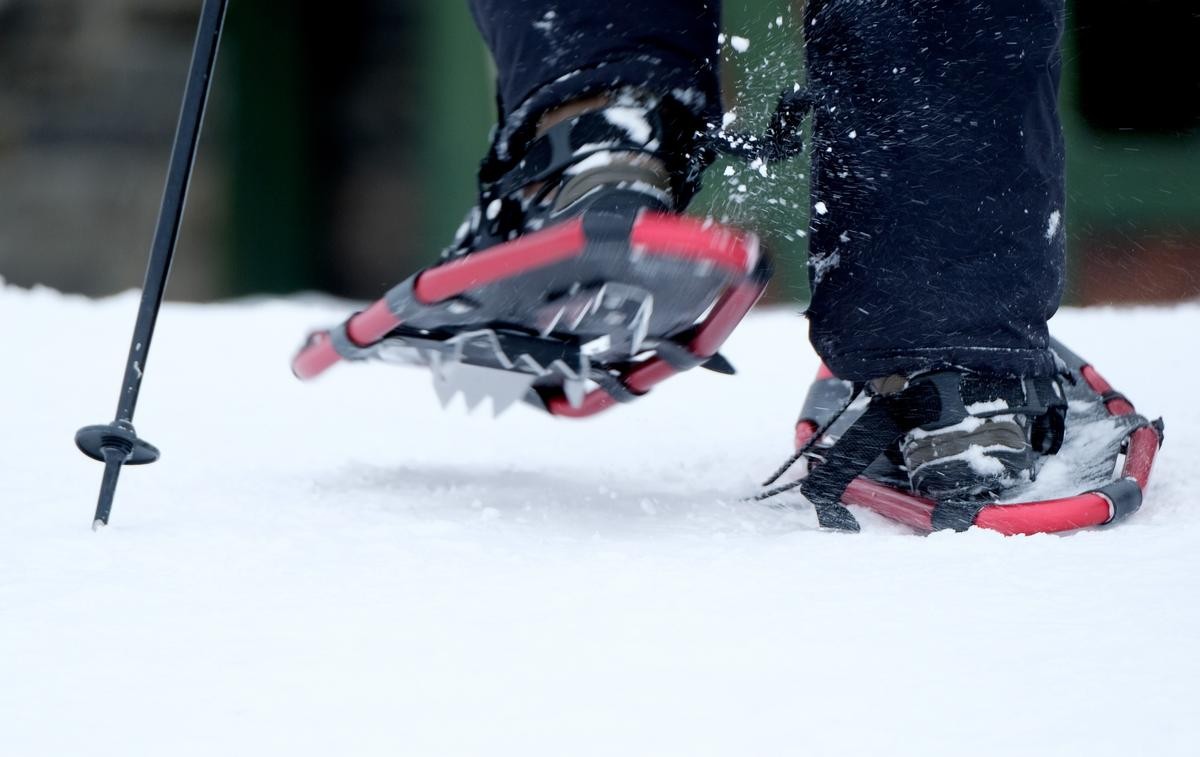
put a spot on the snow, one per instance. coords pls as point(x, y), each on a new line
point(1052, 224)
point(342, 568)
point(546, 25)
point(632, 120)
point(596, 160)
point(988, 406)
point(823, 264)
point(981, 462)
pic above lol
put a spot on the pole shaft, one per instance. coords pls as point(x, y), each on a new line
point(183, 157)
point(114, 460)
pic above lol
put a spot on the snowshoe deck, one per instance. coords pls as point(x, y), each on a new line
point(1107, 455)
point(574, 319)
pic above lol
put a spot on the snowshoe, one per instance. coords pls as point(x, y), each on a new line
point(575, 283)
point(1094, 457)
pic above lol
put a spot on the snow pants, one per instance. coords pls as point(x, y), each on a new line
point(937, 234)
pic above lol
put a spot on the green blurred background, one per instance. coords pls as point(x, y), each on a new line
point(340, 150)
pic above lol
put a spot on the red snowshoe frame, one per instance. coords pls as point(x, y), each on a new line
point(1104, 505)
point(697, 242)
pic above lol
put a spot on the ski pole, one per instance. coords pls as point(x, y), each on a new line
point(117, 444)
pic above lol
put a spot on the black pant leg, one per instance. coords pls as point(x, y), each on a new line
point(937, 221)
point(551, 51)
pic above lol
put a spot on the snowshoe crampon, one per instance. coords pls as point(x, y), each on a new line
point(574, 318)
point(1104, 463)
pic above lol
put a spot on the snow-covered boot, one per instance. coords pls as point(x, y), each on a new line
point(575, 282)
point(990, 435)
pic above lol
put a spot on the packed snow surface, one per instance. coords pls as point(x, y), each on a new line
point(342, 568)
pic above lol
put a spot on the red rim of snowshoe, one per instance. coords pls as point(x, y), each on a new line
point(703, 242)
point(1094, 508)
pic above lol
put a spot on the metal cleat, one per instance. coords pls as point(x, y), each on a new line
point(475, 383)
point(509, 388)
point(575, 390)
point(445, 390)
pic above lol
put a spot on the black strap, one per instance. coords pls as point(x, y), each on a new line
point(678, 356)
point(671, 138)
point(612, 385)
point(954, 516)
point(886, 419)
point(564, 145)
point(805, 450)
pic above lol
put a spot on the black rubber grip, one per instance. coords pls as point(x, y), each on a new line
point(1125, 496)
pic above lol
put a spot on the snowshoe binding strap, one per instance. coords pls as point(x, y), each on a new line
point(650, 145)
point(631, 123)
point(639, 123)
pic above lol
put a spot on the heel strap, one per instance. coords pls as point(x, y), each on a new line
point(614, 128)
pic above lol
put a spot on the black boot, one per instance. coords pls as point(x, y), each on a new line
point(990, 435)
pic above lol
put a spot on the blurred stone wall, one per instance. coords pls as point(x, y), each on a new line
point(89, 95)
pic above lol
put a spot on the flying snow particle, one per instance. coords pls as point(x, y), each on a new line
point(632, 121)
point(853, 134)
point(779, 21)
point(822, 264)
point(546, 25)
point(741, 44)
point(820, 208)
point(729, 171)
point(1052, 226)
